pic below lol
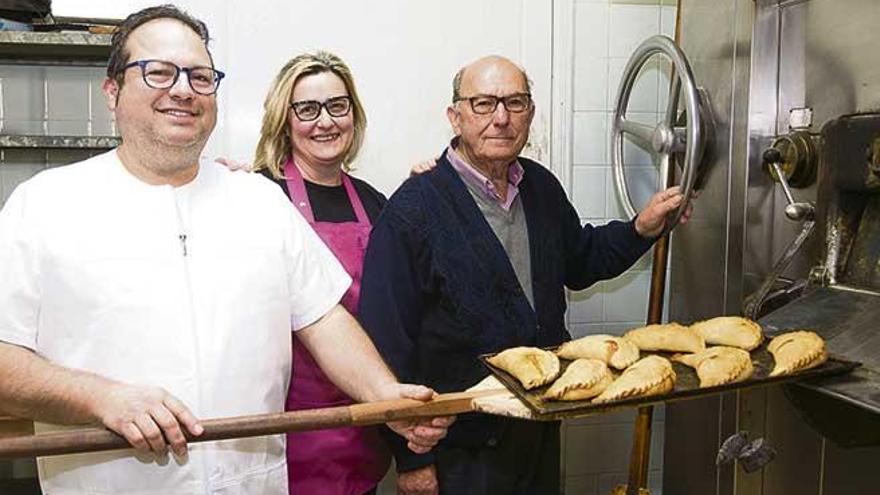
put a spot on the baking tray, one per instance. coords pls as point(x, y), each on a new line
point(687, 385)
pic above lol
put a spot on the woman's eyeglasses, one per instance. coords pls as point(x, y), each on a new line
point(308, 110)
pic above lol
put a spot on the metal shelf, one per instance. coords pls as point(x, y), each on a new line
point(59, 142)
point(64, 48)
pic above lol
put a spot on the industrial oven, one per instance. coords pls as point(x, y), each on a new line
point(787, 230)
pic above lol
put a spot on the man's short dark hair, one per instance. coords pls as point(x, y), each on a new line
point(119, 54)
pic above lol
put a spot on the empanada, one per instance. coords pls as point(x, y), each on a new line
point(533, 367)
point(719, 365)
point(615, 351)
point(732, 331)
point(670, 337)
point(583, 379)
point(651, 375)
point(621, 490)
point(795, 351)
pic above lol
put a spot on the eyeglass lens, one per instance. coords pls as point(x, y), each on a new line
point(487, 103)
point(162, 75)
point(307, 110)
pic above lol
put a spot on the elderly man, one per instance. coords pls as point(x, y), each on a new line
point(145, 288)
point(473, 257)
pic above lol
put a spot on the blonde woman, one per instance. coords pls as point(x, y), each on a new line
point(313, 127)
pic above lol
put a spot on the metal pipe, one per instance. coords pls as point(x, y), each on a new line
point(640, 456)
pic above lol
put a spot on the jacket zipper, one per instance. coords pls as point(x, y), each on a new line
point(182, 237)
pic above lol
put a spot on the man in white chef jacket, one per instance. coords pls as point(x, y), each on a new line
point(145, 288)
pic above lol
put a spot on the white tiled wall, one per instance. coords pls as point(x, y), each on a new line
point(53, 101)
point(48, 101)
point(606, 32)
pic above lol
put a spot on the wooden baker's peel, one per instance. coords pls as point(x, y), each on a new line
point(99, 439)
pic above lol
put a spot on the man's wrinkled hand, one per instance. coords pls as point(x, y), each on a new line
point(421, 434)
point(149, 418)
point(422, 167)
point(422, 481)
point(652, 219)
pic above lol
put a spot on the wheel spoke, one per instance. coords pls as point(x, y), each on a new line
point(641, 131)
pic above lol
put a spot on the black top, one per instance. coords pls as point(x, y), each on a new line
point(331, 204)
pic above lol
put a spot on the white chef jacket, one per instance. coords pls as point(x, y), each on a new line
point(194, 289)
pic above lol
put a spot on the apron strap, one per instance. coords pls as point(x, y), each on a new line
point(296, 189)
point(355, 200)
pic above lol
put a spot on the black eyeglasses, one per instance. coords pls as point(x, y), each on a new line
point(160, 74)
point(308, 110)
point(486, 104)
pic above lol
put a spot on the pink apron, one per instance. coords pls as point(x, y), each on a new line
point(341, 461)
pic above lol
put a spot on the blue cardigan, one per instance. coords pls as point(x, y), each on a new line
point(438, 289)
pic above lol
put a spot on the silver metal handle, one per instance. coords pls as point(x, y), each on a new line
point(794, 210)
point(665, 138)
point(755, 301)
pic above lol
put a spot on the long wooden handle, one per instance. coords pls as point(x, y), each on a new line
point(98, 439)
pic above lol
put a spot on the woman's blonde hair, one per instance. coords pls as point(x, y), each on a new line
point(274, 147)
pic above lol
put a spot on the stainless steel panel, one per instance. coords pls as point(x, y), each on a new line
point(767, 58)
point(707, 254)
point(840, 464)
point(841, 69)
point(812, 54)
point(797, 467)
point(719, 54)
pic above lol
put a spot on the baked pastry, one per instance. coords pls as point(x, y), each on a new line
point(670, 337)
point(621, 490)
point(615, 351)
point(583, 379)
point(650, 375)
point(795, 351)
point(731, 331)
point(533, 367)
point(719, 365)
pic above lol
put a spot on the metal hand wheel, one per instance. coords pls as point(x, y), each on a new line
point(688, 142)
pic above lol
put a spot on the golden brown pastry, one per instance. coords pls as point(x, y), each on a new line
point(795, 351)
point(533, 367)
point(615, 351)
point(621, 490)
point(670, 337)
point(731, 331)
point(719, 365)
point(650, 375)
point(583, 379)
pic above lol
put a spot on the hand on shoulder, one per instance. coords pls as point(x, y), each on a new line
point(424, 166)
point(233, 164)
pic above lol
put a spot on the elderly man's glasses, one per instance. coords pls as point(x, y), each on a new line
point(486, 104)
point(308, 110)
point(160, 74)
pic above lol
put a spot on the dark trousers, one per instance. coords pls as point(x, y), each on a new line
point(524, 462)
